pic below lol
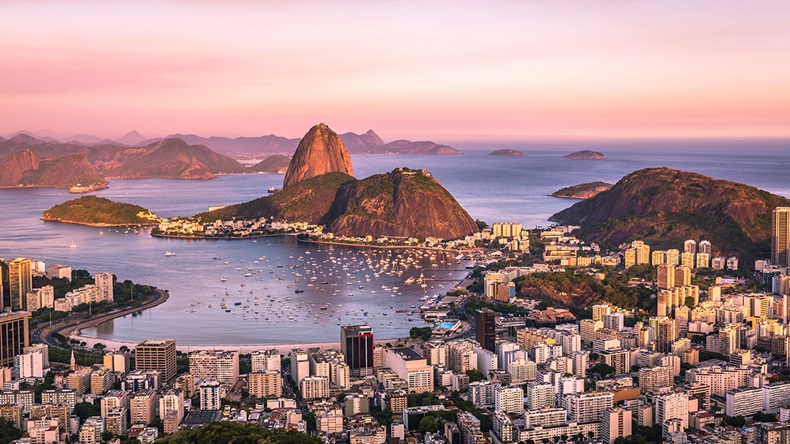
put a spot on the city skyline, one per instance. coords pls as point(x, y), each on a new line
point(443, 71)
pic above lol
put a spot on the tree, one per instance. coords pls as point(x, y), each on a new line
point(428, 424)
point(764, 417)
point(8, 432)
point(474, 375)
point(106, 436)
point(602, 369)
point(99, 346)
point(85, 410)
point(735, 421)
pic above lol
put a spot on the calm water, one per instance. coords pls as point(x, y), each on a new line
point(490, 188)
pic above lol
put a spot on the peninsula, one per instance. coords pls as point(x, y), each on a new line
point(100, 212)
point(581, 191)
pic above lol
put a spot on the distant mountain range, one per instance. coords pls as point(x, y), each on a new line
point(366, 143)
point(29, 162)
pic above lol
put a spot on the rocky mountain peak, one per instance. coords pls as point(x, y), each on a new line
point(319, 152)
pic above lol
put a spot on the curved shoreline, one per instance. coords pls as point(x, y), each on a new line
point(381, 247)
point(258, 236)
point(98, 225)
point(45, 334)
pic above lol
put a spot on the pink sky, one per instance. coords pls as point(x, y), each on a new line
point(441, 70)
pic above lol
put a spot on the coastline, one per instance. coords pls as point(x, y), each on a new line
point(380, 247)
point(257, 236)
point(98, 225)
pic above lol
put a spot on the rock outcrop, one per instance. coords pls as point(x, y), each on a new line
point(581, 191)
point(26, 169)
point(319, 152)
point(664, 207)
point(13, 169)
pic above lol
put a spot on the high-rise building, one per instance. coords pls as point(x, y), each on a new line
point(142, 406)
point(265, 384)
point(14, 336)
point(690, 246)
point(780, 236)
point(673, 257)
point(157, 354)
point(210, 395)
point(658, 257)
point(20, 280)
point(642, 252)
point(615, 423)
point(600, 310)
point(314, 387)
point(171, 409)
point(104, 282)
point(222, 365)
point(629, 258)
point(672, 405)
point(509, 400)
point(356, 343)
point(411, 367)
point(703, 260)
point(687, 259)
point(265, 360)
point(589, 406)
point(300, 365)
point(666, 276)
point(682, 276)
point(485, 329)
point(704, 247)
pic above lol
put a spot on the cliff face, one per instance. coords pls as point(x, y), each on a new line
point(403, 203)
point(13, 169)
point(27, 170)
point(319, 152)
point(664, 207)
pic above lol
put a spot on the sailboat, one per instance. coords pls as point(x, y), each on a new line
point(73, 245)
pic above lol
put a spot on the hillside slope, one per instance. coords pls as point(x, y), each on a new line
point(664, 207)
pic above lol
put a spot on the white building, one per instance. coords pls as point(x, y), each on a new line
point(509, 400)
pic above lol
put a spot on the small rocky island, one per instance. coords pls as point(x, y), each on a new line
point(585, 154)
point(100, 212)
point(506, 153)
point(581, 191)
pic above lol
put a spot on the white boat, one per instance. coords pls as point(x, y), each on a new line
point(223, 279)
point(73, 245)
point(169, 253)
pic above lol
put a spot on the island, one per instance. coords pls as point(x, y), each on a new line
point(581, 191)
point(100, 212)
point(585, 154)
point(506, 152)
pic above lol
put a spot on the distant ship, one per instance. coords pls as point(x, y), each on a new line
point(73, 245)
point(169, 253)
point(272, 190)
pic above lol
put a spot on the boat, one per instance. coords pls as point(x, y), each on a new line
point(223, 279)
point(73, 244)
point(169, 253)
point(272, 190)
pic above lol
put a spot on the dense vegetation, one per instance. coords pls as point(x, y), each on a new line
point(571, 289)
point(274, 164)
point(98, 211)
point(227, 432)
point(664, 207)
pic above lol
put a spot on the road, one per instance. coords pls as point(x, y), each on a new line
point(75, 320)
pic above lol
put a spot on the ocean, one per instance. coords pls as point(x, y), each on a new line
point(490, 188)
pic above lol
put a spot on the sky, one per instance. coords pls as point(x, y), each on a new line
point(437, 70)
